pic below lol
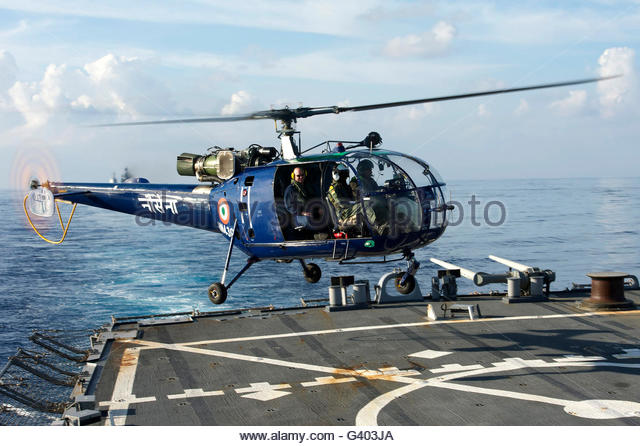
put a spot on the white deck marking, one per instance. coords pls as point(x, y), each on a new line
point(326, 380)
point(502, 393)
point(264, 391)
point(367, 372)
point(603, 409)
point(368, 415)
point(429, 354)
point(218, 353)
point(395, 371)
point(594, 409)
point(519, 363)
point(411, 324)
point(387, 371)
point(629, 353)
point(574, 358)
point(449, 368)
point(195, 393)
point(372, 374)
point(122, 395)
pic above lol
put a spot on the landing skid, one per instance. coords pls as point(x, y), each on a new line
point(218, 291)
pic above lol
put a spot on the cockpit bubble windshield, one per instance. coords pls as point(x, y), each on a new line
point(377, 173)
point(388, 186)
point(389, 171)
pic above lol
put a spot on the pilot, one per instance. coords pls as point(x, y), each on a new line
point(375, 204)
point(365, 172)
point(296, 197)
point(341, 196)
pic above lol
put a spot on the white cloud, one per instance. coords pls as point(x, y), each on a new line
point(121, 85)
point(351, 66)
point(105, 68)
point(21, 27)
point(8, 76)
point(110, 84)
point(615, 93)
point(417, 112)
point(553, 23)
point(482, 111)
point(36, 100)
point(522, 108)
point(241, 101)
point(335, 17)
point(570, 105)
point(431, 43)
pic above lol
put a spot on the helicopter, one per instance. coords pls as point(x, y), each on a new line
point(397, 205)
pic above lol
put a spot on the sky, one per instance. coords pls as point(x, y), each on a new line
point(69, 64)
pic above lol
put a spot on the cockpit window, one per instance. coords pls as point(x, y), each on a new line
point(419, 172)
point(437, 176)
point(388, 193)
point(378, 173)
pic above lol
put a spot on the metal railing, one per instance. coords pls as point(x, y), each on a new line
point(36, 383)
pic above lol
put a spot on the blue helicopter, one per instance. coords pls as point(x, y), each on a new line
point(390, 204)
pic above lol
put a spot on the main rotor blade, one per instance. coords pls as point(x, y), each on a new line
point(470, 95)
point(184, 121)
point(287, 114)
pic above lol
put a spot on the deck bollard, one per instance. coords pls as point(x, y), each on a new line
point(607, 292)
point(513, 287)
point(536, 284)
point(335, 295)
point(361, 293)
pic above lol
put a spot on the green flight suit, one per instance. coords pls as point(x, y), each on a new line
point(341, 197)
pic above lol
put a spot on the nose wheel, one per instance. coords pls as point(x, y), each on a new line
point(407, 286)
point(405, 281)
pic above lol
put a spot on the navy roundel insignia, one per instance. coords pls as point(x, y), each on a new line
point(224, 212)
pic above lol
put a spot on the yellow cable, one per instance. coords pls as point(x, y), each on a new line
point(65, 229)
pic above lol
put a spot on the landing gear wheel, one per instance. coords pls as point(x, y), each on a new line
point(312, 273)
point(408, 286)
point(217, 293)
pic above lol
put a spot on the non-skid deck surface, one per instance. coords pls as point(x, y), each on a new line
point(544, 363)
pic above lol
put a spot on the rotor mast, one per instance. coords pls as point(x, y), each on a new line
point(289, 148)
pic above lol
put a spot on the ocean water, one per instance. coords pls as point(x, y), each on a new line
point(109, 265)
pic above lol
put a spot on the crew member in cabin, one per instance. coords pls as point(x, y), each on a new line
point(348, 209)
point(296, 199)
point(342, 198)
point(368, 187)
point(365, 172)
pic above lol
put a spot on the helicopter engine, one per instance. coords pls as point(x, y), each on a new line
point(217, 166)
point(222, 164)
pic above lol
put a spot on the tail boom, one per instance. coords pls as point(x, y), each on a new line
point(180, 204)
